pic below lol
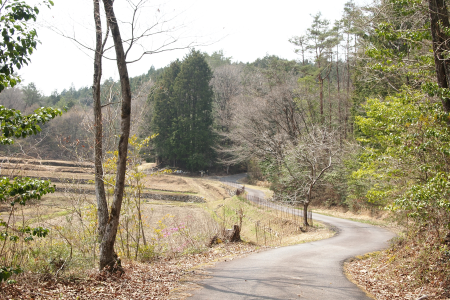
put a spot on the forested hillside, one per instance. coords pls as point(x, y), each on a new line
point(339, 120)
point(360, 120)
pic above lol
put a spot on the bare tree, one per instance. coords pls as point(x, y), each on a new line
point(102, 205)
point(273, 122)
point(227, 87)
point(226, 84)
point(109, 218)
point(13, 98)
point(266, 114)
point(307, 162)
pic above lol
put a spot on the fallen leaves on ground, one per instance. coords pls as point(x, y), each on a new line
point(408, 270)
point(153, 280)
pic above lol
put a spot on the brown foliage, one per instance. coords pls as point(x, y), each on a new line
point(411, 268)
point(140, 280)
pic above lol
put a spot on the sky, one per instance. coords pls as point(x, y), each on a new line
point(244, 30)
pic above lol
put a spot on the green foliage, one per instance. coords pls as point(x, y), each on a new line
point(20, 190)
point(14, 124)
point(428, 203)
point(18, 42)
point(396, 52)
point(18, 38)
point(217, 59)
point(322, 38)
point(399, 45)
point(31, 94)
point(183, 113)
point(6, 272)
point(164, 116)
point(406, 155)
point(38, 232)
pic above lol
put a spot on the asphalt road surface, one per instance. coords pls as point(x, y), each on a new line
point(306, 271)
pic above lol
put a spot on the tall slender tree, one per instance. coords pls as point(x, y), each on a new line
point(108, 231)
point(322, 40)
point(165, 115)
point(183, 113)
point(193, 97)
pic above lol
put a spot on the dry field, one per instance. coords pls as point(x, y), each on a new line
point(73, 195)
point(48, 169)
point(177, 233)
point(170, 183)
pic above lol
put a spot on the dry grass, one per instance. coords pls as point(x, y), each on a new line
point(410, 269)
point(414, 267)
point(30, 161)
point(211, 190)
point(273, 230)
point(267, 192)
point(380, 218)
point(163, 279)
point(47, 174)
point(146, 166)
point(50, 206)
point(257, 183)
point(71, 213)
point(178, 214)
point(173, 183)
point(45, 168)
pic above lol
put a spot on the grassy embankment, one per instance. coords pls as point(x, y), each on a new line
point(170, 228)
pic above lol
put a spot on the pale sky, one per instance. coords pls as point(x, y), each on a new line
point(245, 30)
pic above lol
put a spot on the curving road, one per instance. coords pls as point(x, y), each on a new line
point(306, 271)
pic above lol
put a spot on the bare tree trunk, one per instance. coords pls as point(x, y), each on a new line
point(102, 205)
point(329, 98)
point(348, 65)
point(337, 69)
point(321, 98)
point(107, 254)
point(439, 19)
point(305, 214)
point(348, 88)
point(339, 96)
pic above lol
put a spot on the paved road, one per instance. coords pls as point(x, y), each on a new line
point(306, 271)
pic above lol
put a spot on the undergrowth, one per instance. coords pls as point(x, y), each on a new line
point(416, 265)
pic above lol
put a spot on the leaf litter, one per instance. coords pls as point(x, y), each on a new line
point(161, 279)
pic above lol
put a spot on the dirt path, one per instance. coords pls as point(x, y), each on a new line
point(306, 271)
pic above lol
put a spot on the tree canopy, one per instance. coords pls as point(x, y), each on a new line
point(183, 113)
point(19, 39)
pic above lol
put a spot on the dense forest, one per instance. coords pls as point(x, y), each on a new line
point(360, 120)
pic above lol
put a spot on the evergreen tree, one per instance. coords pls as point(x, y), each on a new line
point(193, 97)
point(164, 113)
point(32, 95)
point(217, 59)
point(182, 113)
